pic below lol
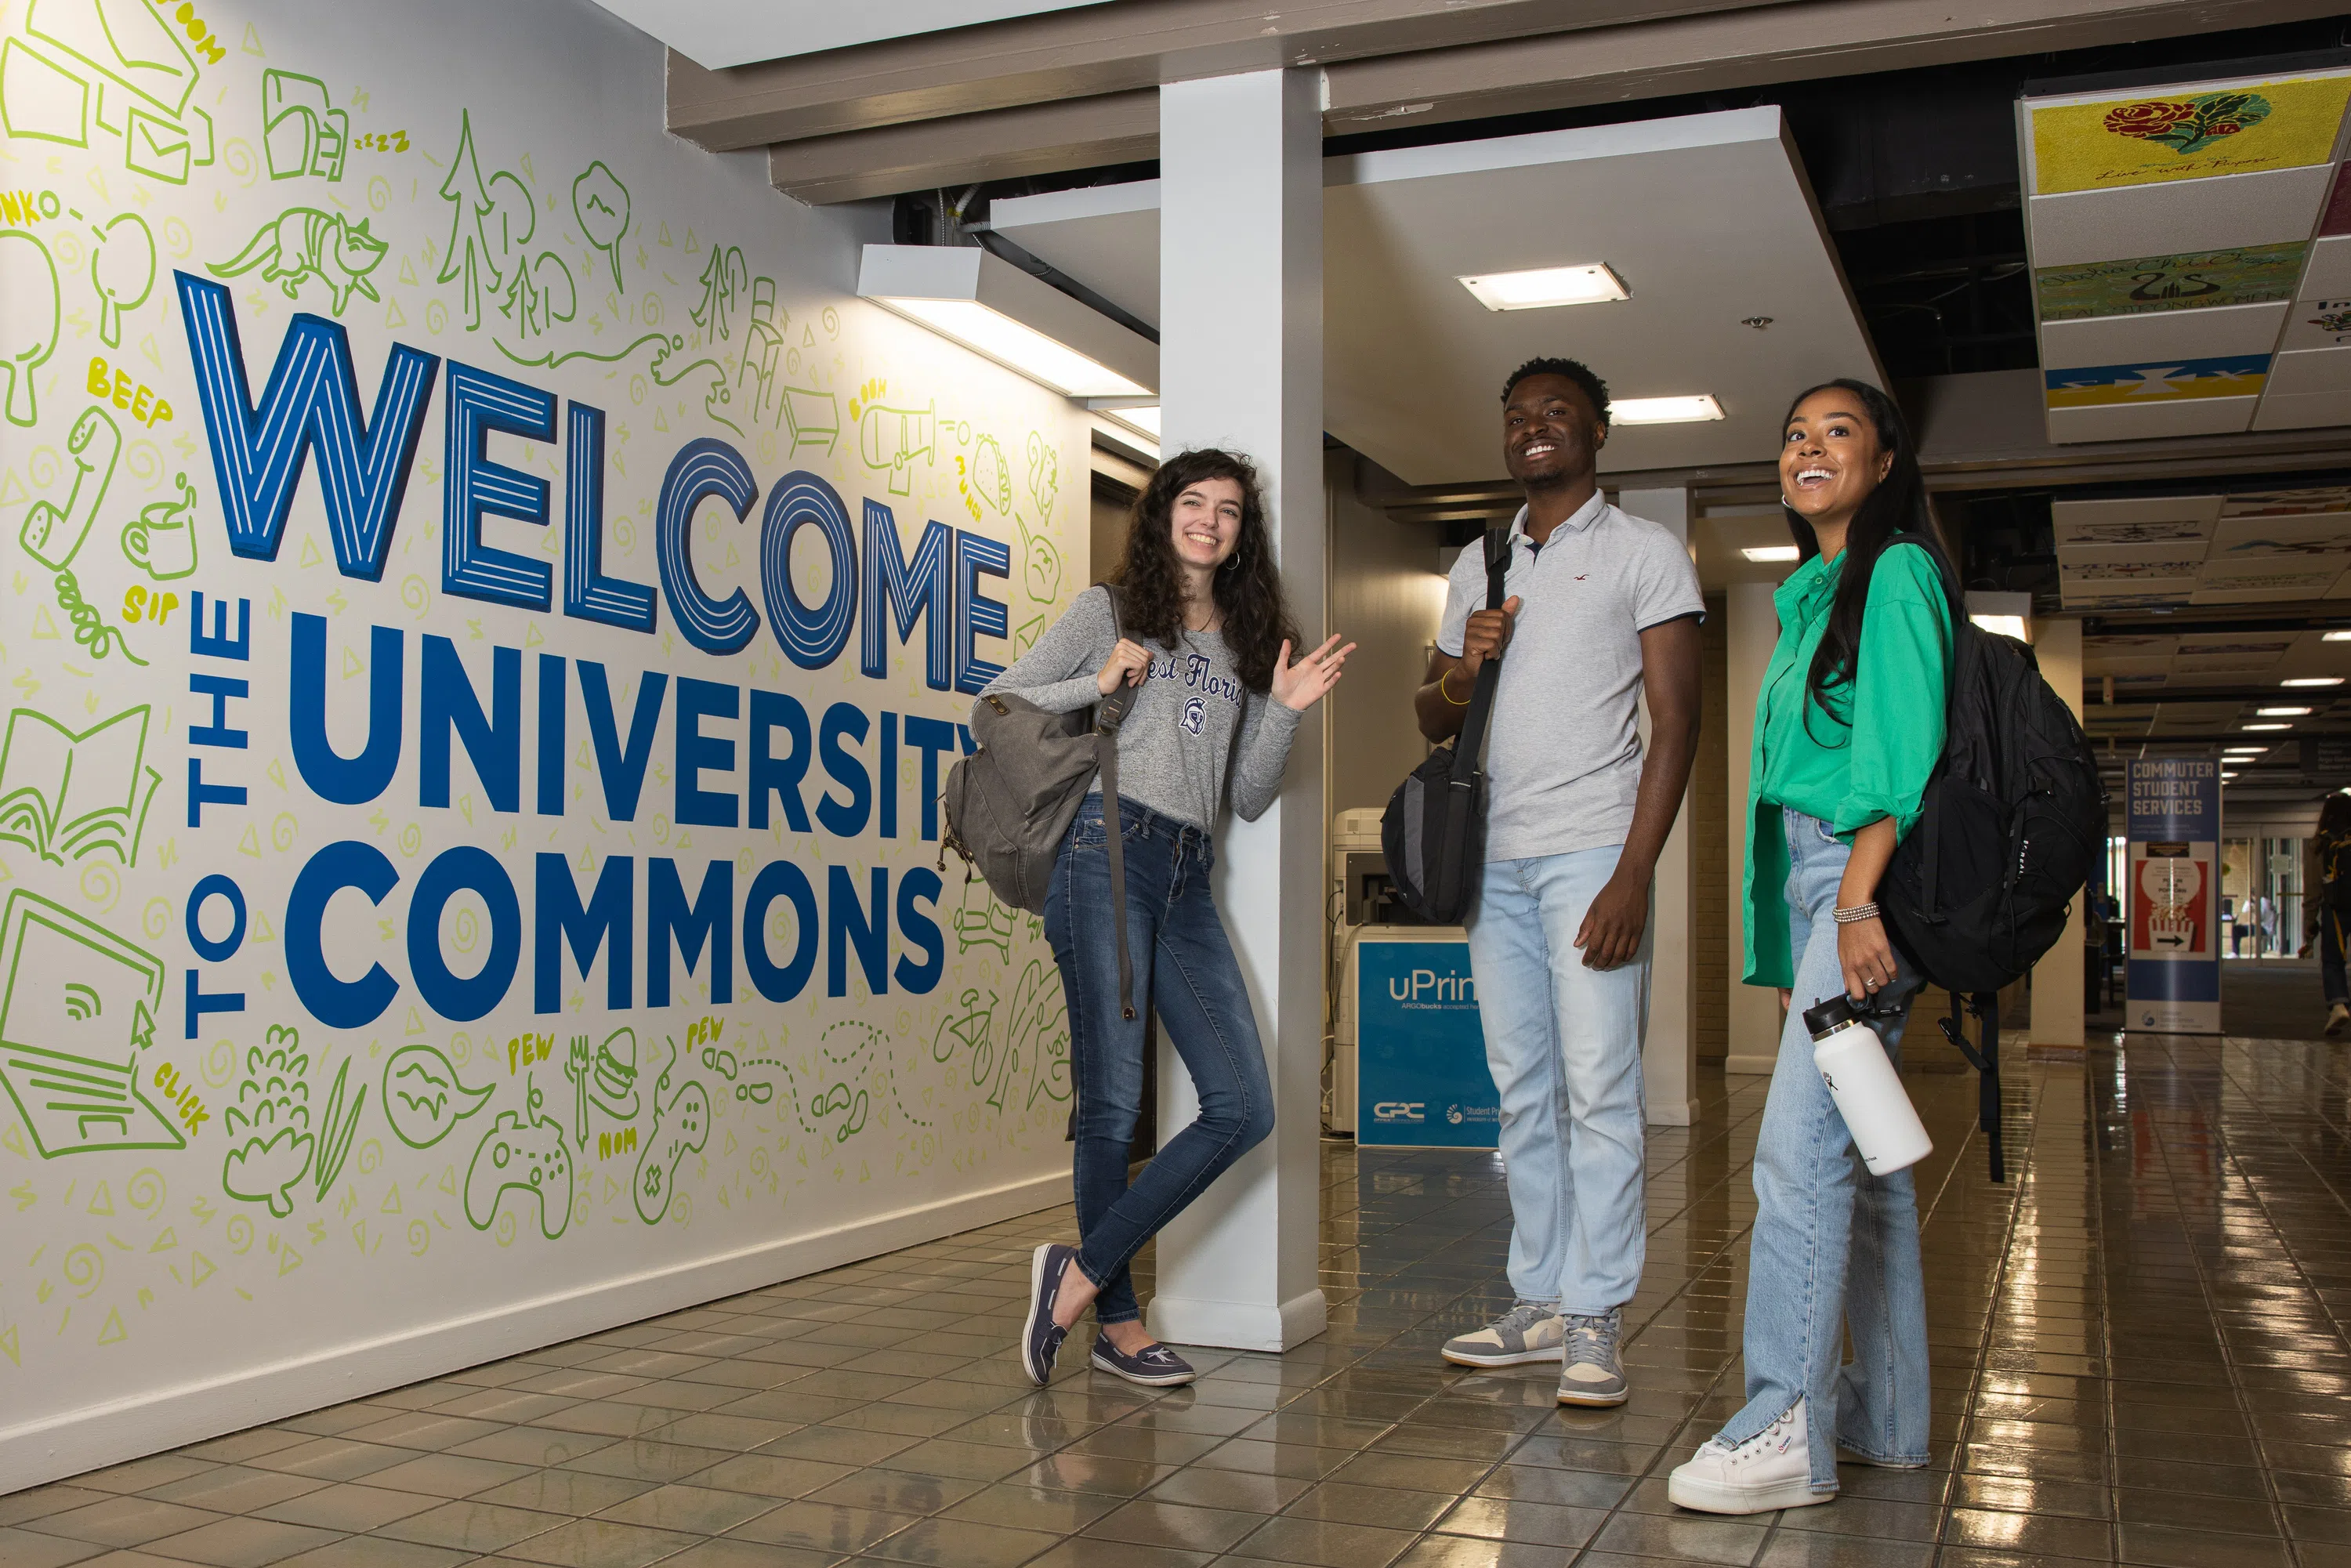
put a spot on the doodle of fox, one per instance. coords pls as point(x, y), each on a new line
point(305, 240)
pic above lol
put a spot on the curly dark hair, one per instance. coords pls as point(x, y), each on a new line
point(1150, 579)
point(1576, 371)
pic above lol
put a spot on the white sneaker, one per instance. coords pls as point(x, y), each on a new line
point(1771, 1469)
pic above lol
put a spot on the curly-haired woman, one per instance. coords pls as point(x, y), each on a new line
point(1200, 624)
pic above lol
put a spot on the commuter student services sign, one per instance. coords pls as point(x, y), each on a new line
point(2173, 886)
point(484, 621)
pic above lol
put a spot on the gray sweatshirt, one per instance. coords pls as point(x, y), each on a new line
point(1178, 745)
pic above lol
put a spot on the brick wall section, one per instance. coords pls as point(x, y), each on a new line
point(1713, 879)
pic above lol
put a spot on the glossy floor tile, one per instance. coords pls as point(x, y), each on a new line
point(2139, 1356)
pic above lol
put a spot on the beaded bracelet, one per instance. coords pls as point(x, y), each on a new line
point(1856, 915)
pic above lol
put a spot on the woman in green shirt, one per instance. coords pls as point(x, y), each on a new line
point(1848, 727)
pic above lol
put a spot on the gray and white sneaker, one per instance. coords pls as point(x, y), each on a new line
point(1591, 1372)
point(1526, 1332)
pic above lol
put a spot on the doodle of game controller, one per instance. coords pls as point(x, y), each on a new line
point(525, 1158)
point(686, 1127)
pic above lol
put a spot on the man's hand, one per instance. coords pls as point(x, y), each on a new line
point(1611, 932)
point(1487, 634)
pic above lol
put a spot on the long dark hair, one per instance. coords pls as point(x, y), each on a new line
point(1894, 513)
point(1150, 579)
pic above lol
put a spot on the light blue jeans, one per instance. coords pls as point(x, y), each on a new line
point(1834, 1246)
point(1563, 1044)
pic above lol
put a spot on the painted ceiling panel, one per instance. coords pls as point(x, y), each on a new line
point(2241, 210)
point(2196, 334)
point(2116, 422)
point(2318, 324)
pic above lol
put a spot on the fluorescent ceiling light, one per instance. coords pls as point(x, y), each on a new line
point(2250, 727)
point(2286, 712)
point(2336, 637)
point(2226, 776)
point(1146, 419)
point(995, 310)
point(1771, 552)
point(2314, 680)
point(2002, 625)
point(2243, 750)
point(1664, 410)
point(1541, 287)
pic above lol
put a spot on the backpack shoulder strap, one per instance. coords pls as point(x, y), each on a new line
point(1471, 742)
point(1109, 713)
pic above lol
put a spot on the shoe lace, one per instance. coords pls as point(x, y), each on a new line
point(1522, 1317)
point(1591, 1340)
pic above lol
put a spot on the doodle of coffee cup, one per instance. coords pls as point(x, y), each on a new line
point(163, 542)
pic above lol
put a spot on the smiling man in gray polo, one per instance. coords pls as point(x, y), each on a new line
point(1601, 607)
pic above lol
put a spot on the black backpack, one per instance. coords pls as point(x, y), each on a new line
point(1433, 834)
point(2012, 822)
point(2333, 890)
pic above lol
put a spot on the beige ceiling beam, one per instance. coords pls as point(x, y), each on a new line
point(1599, 63)
point(1035, 139)
point(1734, 49)
point(1095, 49)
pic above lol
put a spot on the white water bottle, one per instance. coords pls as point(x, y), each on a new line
point(1869, 1091)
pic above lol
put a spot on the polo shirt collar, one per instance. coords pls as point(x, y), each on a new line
point(1809, 582)
point(1577, 521)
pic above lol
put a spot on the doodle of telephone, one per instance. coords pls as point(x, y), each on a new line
point(51, 535)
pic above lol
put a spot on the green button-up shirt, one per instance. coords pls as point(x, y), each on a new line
point(1868, 754)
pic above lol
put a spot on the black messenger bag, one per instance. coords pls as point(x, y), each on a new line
point(1433, 834)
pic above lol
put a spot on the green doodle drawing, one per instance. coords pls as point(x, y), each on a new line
point(122, 270)
point(28, 281)
point(77, 1006)
point(272, 1114)
point(304, 241)
point(490, 222)
point(1041, 564)
point(680, 1128)
point(299, 133)
point(601, 203)
point(539, 293)
point(337, 1131)
point(1025, 635)
point(604, 1078)
point(65, 796)
point(1044, 474)
point(422, 1096)
point(981, 922)
point(52, 535)
point(528, 1158)
point(722, 280)
point(814, 417)
point(1039, 1034)
point(991, 477)
point(763, 345)
point(852, 1107)
point(891, 438)
point(121, 64)
point(163, 542)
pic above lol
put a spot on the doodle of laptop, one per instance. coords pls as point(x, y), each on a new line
point(77, 1006)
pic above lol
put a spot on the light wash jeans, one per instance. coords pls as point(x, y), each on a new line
point(1834, 1246)
point(1563, 1044)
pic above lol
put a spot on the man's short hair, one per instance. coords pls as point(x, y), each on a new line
point(1576, 371)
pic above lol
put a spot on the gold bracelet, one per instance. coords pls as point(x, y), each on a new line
point(1447, 692)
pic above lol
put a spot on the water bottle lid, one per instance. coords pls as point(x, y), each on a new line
point(1830, 1016)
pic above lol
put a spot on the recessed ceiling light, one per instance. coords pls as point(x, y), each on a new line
point(2250, 727)
point(1771, 552)
point(1014, 344)
point(1540, 288)
point(2314, 680)
point(2336, 637)
point(2286, 712)
point(1664, 410)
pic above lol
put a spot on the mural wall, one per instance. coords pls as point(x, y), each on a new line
point(486, 614)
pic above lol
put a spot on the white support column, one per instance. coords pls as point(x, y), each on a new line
point(1669, 1049)
point(1240, 365)
point(2057, 979)
point(1752, 627)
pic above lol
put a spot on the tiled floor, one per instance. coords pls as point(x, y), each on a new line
point(2139, 1355)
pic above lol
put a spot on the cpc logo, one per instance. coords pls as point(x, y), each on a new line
point(1399, 1111)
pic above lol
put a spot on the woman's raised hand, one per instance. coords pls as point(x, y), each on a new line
point(1126, 666)
point(1301, 685)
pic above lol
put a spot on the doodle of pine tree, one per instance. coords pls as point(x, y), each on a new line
point(469, 253)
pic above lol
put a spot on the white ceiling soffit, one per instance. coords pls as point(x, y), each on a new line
point(715, 34)
point(1707, 218)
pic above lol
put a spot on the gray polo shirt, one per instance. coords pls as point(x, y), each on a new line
point(1563, 753)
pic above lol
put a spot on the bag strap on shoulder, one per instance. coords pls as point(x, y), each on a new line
point(1471, 744)
point(1109, 713)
